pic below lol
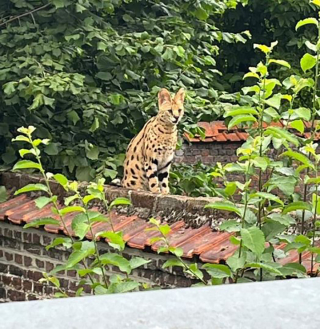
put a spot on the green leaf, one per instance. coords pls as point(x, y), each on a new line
point(32, 187)
point(263, 48)
point(42, 201)
point(316, 2)
point(193, 270)
point(3, 194)
point(261, 162)
point(74, 117)
point(21, 138)
point(315, 203)
point(77, 256)
point(26, 164)
point(172, 262)
point(176, 251)
point(280, 62)
point(235, 262)
point(274, 101)
point(136, 262)
point(306, 21)
point(95, 125)
point(42, 221)
point(272, 228)
point(230, 226)
point(80, 225)
point(52, 149)
point(285, 184)
point(298, 125)
point(307, 62)
point(230, 188)
point(67, 242)
point(9, 87)
point(126, 286)
point(313, 180)
point(266, 267)
point(268, 196)
point(298, 205)
point(218, 271)
point(61, 179)
point(116, 260)
point(67, 210)
point(224, 206)
point(71, 198)
point(293, 269)
point(240, 110)
point(303, 113)
point(241, 118)
point(119, 202)
point(253, 239)
point(299, 157)
point(115, 239)
point(283, 134)
point(93, 153)
point(59, 3)
point(106, 76)
point(164, 229)
point(201, 13)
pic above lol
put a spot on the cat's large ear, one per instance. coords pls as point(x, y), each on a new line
point(179, 97)
point(164, 97)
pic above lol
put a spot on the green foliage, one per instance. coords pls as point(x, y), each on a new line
point(195, 180)
point(86, 74)
point(3, 194)
point(263, 215)
point(81, 225)
point(267, 21)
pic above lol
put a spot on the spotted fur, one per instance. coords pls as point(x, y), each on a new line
point(150, 154)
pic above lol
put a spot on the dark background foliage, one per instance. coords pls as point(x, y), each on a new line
point(86, 72)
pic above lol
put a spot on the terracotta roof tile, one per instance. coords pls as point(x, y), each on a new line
point(210, 246)
point(217, 131)
point(207, 127)
point(10, 204)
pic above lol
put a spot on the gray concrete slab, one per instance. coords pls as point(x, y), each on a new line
point(274, 305)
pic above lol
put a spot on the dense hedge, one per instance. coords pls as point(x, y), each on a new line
point(86, 72)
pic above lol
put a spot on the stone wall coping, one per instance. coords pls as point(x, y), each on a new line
point(282, 305)
point(145, 204)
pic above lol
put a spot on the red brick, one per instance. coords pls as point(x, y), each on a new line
point(27, 261)
point(14, 295)
point(38, 288)
point(35, 276)
point(15, 270)
point(49, 266)
point(18, 258)
point(27, 285)
point(6, 279)
point(39, 263)
point(16, 282)
point(72, 274)
point(8, 256)
point(35, 238)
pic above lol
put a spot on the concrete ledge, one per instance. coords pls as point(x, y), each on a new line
point(266, 305)
point(145, 204)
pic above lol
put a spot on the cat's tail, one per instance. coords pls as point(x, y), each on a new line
point(116, 182)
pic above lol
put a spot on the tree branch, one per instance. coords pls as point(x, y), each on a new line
point(25, 14)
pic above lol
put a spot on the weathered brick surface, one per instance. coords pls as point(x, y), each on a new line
point(207, 153)
point(23, 259)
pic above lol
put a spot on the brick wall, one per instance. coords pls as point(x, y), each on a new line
point(207, 153)
point(23, 258)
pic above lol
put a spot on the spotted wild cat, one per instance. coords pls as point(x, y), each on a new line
point(150, 153)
